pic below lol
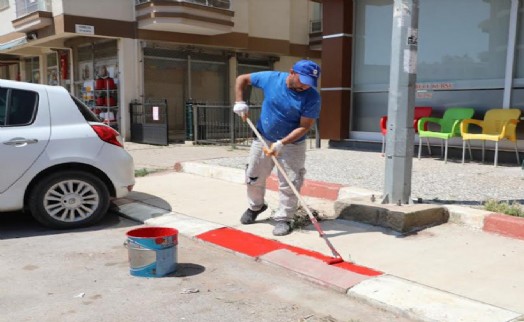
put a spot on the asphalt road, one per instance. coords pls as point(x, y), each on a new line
point(83, 275)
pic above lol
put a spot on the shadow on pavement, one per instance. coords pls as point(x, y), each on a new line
point(149, 199)
point(187, 269)
point(20, 225)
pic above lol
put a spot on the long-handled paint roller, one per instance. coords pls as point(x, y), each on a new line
point(337, 258)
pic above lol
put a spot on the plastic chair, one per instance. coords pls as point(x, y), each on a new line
point(420, 111)
point(449, 127)
point(498, 124)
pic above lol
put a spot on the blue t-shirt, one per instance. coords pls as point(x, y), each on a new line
point(282, 107)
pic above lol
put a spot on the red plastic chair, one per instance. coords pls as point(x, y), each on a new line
point(420, 112)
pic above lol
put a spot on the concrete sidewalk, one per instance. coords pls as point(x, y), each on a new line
point(451, 272)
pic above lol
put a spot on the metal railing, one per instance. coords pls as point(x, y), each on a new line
point(217, 124)
point(222, 4)
point(25, 7)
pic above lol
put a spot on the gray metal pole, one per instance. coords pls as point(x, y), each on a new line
point(401, 101)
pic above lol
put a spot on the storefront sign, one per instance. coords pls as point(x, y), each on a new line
point(424, 95)
point(85, 29)
point(435, 86)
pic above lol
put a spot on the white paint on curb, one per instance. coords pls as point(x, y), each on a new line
point(186, 225)
point(466, 216)
point(214, 171)
point(426, 303)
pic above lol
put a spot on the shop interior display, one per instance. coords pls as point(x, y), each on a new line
point(101, 94)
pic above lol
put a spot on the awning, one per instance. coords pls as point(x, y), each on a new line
point(13, 43)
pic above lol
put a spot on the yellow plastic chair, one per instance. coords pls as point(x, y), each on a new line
point(498, 124)
point(449, 127)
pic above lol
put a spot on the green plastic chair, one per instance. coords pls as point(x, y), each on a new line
point(449, 127)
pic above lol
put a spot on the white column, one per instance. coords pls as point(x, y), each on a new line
point(42, 63)
point(128, 81)
point(510, 55)
point(233, 62)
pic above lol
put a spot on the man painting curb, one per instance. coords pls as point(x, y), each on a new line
point(290, 107)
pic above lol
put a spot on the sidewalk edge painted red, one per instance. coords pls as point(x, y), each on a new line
point(256, 246)
point(505, 225)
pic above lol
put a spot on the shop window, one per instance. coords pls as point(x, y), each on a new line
point(519, 49)
point(52, 69)
point(32, 70)
point(374, 19)
point(463, 40)
point(458, 40)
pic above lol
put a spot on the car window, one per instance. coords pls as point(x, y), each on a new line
point(3, 105)
point(21, 107)
point(85, 110)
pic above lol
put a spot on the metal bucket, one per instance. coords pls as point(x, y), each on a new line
point(152, 251)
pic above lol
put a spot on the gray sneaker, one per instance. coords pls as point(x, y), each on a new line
point(282, 228)
point(250, 216)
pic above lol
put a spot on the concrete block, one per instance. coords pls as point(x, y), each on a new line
point(404, 218)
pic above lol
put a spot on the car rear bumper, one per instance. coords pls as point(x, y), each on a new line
point(118, 165)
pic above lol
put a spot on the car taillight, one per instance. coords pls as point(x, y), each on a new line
point(107, 134)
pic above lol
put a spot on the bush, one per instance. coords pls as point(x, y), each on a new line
point(512, 208)
point(144, 172)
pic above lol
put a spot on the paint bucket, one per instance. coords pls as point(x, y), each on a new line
point(152, 251)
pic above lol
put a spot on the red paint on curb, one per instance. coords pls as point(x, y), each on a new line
point(311, 188)
point(256, 246)
point(240, 241)
point(504, 225)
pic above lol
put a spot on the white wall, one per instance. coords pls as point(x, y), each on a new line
point(6, 19)
point(299, 26)
point(269, 19)
point(103, 9)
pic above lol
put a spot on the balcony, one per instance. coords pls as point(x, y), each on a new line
point(201, 17)
point(32, 15)
point(315, 34)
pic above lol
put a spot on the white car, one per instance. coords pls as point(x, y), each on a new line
point(57, 160)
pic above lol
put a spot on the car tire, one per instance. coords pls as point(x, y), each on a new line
point(69, 199)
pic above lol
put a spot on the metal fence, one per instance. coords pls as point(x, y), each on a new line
point(217, 124)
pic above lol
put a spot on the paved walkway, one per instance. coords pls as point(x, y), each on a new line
point(452, 272)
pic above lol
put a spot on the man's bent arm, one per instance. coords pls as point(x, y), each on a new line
point(241, 82)
point(305, 125)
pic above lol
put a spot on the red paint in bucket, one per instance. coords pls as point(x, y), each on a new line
point(151, 232)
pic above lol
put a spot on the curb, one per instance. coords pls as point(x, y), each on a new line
point(384, 291)
point(501, 224)
point(504, 225)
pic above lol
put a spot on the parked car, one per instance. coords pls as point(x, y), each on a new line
point(57, 159)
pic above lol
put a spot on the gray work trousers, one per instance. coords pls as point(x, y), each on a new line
point(292, 157)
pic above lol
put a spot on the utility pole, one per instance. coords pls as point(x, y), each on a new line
point(401, 101)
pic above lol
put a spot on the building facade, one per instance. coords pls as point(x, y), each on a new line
point(112, 53)
point(470, 54)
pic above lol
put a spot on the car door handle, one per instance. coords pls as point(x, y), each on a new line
point(20, 141)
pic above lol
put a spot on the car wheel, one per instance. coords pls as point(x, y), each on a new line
point(69, 199)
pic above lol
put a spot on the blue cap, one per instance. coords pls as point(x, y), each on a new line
point(307, 71)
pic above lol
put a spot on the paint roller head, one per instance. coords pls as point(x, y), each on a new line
point(335, 260)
